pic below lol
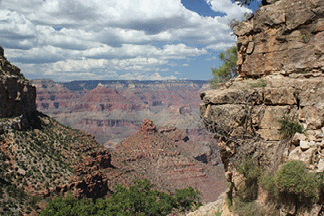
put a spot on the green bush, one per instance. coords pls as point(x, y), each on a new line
point(228, 70)
point(138, 199)
point(289, 125)
point(267, 182)
point(259, 83)
point(187, 198)
point(294, 179)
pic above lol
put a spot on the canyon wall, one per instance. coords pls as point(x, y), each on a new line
point(112, 110)
point(17, 95)
point(283, 37)
point(41, 158)
point(272, 115)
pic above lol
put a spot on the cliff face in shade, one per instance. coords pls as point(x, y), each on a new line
point(282, 44)
point(283, 37)
point(17, 95)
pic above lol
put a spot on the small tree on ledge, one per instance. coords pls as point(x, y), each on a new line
point(228, 70)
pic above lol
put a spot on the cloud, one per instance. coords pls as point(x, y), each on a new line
point(54, 36)
point(229, 8)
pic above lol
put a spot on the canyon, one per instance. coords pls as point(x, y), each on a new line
point(43, 158)
point(113, 110)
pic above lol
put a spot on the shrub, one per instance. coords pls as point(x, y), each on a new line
point(247, 208)
point(267, 182)
point(138, 199)
point(289, 125)
point(228, 70)
point(259, 83)
point(293, 179)
point(187, 198)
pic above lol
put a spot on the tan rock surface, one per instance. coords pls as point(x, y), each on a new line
point(245, 118)
point(287, 35)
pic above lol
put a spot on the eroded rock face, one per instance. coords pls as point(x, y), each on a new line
point(165, 157)
point(112, 110)
point(284, 37)
point(17, 95)
point(283, 44)
point(246, 119)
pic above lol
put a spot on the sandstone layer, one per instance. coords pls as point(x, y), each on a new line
point(112, 110)
point(165, 157)
point(283, 37)
point(281, 80)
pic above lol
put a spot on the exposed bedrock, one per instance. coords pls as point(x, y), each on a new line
point(283, 37)
point(17, 95)
point(247, 120)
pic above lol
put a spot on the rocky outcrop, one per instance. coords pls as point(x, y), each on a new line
point(17, 95)
point(148, 127)
point(283, 37)
point(165, 157)
point(247, 121)
point(261, 124)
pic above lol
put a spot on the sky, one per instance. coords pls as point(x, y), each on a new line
point(66, 40)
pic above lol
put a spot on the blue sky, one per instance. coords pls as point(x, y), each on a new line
point(67, 40)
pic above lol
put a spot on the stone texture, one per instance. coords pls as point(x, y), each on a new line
point(17, 95)
point(285, 48)
point(287, 35)
point(320, 165)
point(297, 138)
point(304, 145)
point(245, 117)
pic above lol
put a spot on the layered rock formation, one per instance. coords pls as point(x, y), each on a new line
point(164, 156)
point(40, 157)
point(283, 37)
point(17, 95)
point(283, 45)
point(112, 110)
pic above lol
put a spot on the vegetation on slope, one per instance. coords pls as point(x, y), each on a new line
point(37, 160)
point(138, 199)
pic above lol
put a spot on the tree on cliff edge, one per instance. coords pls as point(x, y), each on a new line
point(247, 2)
point(226, 71)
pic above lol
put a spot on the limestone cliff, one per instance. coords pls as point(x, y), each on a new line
point(251, 118)
point(17, 95)
point(283, 37)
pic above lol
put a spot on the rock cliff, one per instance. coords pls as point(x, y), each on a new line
point(282, 37)
point(273, 113)
point(17, 95)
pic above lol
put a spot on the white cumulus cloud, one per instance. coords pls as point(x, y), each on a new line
point(80, 38)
